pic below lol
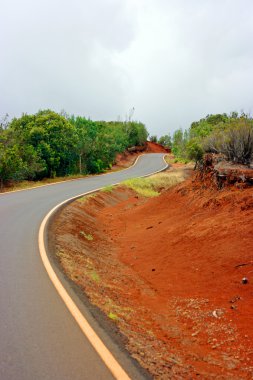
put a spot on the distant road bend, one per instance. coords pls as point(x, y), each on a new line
point(39, 339)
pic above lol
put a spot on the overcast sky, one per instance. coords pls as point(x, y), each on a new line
point(174, 61)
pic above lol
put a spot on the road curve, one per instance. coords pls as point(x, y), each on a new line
point(39, 339)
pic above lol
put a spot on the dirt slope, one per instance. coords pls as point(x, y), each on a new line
point(168, 271)
point(155, 148)
point(125, 159)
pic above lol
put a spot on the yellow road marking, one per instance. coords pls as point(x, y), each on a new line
point(109, 360)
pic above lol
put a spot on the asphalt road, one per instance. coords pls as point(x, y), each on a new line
point(39, 339)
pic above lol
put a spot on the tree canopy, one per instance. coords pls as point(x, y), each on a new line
point(231, 135)
point(48, 144)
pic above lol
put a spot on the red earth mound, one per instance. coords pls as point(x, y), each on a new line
point(127, 158)
point(169, 271)
point(156, 148)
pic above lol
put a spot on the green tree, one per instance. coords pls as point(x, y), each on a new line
point(153, 139)
point(136, 133)
point(52, 137)
point(11, 165)
point(179, 141)
point(194, 150)
point(47, 144)
point(99, 142)
point(165, 141)
point(235, 141)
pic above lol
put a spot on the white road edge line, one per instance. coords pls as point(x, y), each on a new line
point(117, 371)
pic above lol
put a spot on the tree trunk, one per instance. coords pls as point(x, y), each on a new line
point(80, 163)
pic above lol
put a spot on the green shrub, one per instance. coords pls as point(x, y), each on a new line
point(235, 141)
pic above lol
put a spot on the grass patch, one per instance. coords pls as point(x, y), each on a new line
point(181, 160)
point(113, 316)
point(170, 159)
point(85, 198)
point(60, 254)
point(152, 186)
point(142, 186)
point(22, 185)
point(86, 236)
point(91, 272)
point(95, 276)
point(108, 189)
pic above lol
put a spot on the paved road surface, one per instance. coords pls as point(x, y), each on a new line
point(39, 339)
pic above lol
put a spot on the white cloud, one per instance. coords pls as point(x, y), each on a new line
point(174, 61)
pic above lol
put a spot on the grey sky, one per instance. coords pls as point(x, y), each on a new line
point(173, 61)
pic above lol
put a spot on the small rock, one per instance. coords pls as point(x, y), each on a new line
point(245, 280)
point(217, 313)
point(235, 299)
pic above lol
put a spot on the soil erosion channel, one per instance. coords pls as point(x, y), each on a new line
point(167, 272)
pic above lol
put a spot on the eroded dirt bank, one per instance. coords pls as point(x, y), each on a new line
point(168, 271)
point(125, 159)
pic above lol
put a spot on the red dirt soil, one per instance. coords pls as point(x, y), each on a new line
point(169, 271)
point(155, 148)
point(124, 160)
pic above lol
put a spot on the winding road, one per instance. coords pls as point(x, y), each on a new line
point(39, 339)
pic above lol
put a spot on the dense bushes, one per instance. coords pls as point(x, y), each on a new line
point(235, 141)
point(231, 135)
point(48, 144)
point(165, 141)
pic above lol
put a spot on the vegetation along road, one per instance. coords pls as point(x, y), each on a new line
point(39, 337)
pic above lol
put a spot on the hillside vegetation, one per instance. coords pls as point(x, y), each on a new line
point(230, 135)
point(47, 144)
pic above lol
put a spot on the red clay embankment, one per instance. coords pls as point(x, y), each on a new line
point(168, 271)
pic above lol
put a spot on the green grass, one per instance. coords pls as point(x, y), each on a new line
point(85, 198)
point(95, 276)
point(181, 160)
point(142, 186)
point(173, 160)
point(152, 186)
point(22, 185)
point(108, 189)
point(113, 316)
point(170, 159)
point(86, 236)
